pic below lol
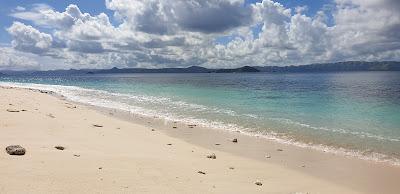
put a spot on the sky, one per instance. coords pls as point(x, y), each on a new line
point(50, 34)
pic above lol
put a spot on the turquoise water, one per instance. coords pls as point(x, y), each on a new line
point(352, 113)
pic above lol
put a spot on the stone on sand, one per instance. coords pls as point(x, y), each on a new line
point(258, 183)
point(212, 156)
point(12, 110)
point(59, 147)
point(15, 150)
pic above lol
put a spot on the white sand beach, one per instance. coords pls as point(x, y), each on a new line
point(106, 154)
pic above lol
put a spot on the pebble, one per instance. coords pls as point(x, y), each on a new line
point(15, 150)
point(12, 110)
point(59, 147)
point(212, 156)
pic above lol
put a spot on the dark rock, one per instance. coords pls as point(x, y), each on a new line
point(12, 110)
point(59, 147)
point(169, 144)
point(235, 140)
point(258, 183)
point(212, 156)
point(174, 127)
point(15, 150)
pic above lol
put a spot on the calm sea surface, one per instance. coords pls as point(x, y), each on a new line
point(354, 113)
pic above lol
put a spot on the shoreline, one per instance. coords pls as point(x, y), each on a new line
point(336, 173)
point(307, 160)
point(135, 117)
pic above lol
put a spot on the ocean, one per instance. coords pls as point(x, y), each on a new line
point(351, 113)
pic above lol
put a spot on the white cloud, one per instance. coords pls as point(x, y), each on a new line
point(11, 59)
point(26, 38)
point(160, 33)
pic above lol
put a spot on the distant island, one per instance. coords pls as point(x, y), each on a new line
point(319, 67)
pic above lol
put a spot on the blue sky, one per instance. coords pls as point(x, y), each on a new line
point(44, 34)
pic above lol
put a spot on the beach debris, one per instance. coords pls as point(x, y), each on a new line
point(10, 104)
point(77, 155)
point(231, 168)
point(258, 183)
point(279, 150)
point(192, 125)
point(71, 107)
point(96, 125)
point(212, 156)
point(217, 144)
point(12, 110)
point(15, 150)
point(201, 172)
point(23, 110)
point(234, 140)
point(51, 115)
point(152, 129)
point(59, 147)
point(169, 144)
point(174, 127)
point(267, 156)
point(100, 168)
point(303, 166)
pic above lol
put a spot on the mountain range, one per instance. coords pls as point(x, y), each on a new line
point(318, 67)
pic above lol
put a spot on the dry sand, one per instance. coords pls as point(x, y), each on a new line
point(123, 157)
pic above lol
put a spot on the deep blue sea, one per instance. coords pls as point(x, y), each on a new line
point(356, 113)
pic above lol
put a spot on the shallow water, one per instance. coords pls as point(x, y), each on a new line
point(357, 112)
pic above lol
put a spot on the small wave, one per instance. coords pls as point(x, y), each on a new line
point(342, 131)
point(91, 97)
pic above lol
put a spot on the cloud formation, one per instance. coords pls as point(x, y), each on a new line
point(26, 38)
point(161, 33)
